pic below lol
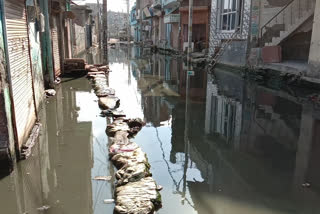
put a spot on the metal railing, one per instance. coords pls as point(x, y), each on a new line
point(223, 46)
point(287, 16)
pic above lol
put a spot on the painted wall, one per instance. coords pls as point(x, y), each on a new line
point(79, 38)
point(35, 51)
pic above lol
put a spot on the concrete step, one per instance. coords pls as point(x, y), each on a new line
point(290, 28)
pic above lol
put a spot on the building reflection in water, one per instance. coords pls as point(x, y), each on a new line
point(266, 140)
point(51, 176)
point(250, 147)
point(237, 148)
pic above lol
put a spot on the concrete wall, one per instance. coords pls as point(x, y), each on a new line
point(314, 57)
point(79, 39)
point(217, 36)
point(185, 3)
point(235, 54)
point(201, 16)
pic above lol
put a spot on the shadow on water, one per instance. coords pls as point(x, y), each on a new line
point(231, 146)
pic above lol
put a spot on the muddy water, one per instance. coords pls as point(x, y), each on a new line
point(231, 146)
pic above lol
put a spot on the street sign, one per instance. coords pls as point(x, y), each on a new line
point(191, 73)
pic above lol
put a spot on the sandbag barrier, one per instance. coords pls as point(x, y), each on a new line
point(136, 191)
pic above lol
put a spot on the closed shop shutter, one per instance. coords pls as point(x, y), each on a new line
point(20, 68)
point(55, 46)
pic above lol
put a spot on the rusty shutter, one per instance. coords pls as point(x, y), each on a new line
point(20, 68)
point(55, 46)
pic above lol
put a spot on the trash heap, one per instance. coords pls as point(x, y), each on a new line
point(136, 191)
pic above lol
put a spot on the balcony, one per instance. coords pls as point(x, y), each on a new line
point(171, 18)
point(157, 4)
point(167, 4)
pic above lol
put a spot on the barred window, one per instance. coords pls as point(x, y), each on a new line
point(230, 15)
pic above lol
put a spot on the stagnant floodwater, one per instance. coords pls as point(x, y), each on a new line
point(238, 147)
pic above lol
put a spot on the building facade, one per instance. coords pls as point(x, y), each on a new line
point(34, 40)
point(230, 20)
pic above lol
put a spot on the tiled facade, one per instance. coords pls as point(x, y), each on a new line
point(216, 35)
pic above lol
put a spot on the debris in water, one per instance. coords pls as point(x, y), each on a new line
point(57, 81)
point(109, 102)
point(138, 197)
point(102, 178)
point(43, 208)
point(113, 113)
point(306, 185)
point(50, 92)
point(108, 201)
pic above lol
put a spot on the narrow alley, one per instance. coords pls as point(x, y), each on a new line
point(159, 107)
point(250, 159)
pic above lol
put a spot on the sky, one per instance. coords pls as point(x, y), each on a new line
point(114, 5)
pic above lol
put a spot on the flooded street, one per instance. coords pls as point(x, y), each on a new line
point(231, 146)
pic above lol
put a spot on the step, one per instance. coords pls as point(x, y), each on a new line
point(291, 28)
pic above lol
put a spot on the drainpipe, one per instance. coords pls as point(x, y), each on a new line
point(46, 46)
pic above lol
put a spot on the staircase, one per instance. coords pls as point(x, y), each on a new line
point(286, 21)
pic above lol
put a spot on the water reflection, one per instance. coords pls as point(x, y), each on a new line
point(70, 153)
point(249, 149)
point(238, 147)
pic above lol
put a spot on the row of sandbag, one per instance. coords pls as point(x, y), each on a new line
point(136, 191)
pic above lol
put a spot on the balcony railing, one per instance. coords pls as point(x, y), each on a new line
point(157, 4)
point(172, 18)
point(170, 3)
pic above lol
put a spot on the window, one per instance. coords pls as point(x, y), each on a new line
point(230, 14)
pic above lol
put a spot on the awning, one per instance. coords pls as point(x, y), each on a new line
point(147, 12)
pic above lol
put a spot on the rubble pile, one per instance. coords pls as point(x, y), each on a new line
point(136, 191)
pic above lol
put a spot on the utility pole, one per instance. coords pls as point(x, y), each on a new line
point(99, 23)
point(190, 33)
point(128, 23)
point(187, 114)
point(105, 29)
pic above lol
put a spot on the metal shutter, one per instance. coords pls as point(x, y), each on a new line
point(55, 46)
point(20, 69)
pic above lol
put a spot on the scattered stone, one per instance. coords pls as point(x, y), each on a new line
point(118, 148)
point(50, 92)
point(57, 81)
point(94, 74)
point(108, 201)
point(109, 102)
point(88, 67)
point(105, 92)
point(136, 190)
point(138, 197)
point(93, 70)
point(113, 113)
point(74, 64)
point(104, 68)
point(306, 185)
point(102, 178)
point(135, 126)
point(117, 126)
point(43, 208)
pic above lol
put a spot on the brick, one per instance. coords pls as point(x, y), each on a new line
point(271, 54)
